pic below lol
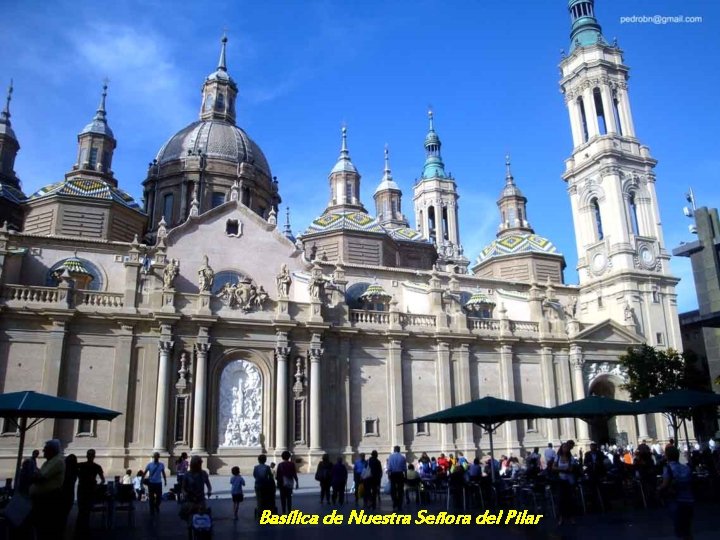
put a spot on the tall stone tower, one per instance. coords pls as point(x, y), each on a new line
point(622, 260)
point(436, 208)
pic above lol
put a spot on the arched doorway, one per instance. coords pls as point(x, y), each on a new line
point(618, 430)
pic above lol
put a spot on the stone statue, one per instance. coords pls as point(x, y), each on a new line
point(170, 273)
point(206, 276)
point(240, 405)
point(244, 295)
point(283, 281)
point(261, 297)
point(317, 286)
point(629, 313)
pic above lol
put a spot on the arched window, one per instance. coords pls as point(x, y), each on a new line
point(632, 207)
point(348, 192)
point(583, 119)
point(600, 111)
point(431, 222)
point(598, 219)
point(220, 102)
point(168, 205)
point(225, 277)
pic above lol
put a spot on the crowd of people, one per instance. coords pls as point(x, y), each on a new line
point(53, 487)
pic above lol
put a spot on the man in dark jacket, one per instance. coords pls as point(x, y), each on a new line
point(372, 482)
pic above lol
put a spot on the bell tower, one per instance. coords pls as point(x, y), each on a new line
point(622, 260)
point(436, 206)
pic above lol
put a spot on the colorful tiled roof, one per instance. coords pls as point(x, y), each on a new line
point(74, 266)
point(11, 193)
point(375, 292)
point(87, 187)
point(355, 221)
point(512, 244)
point(405, 234)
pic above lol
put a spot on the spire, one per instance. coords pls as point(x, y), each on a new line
point(344, 164)
point(222, 66)
point(99, 124)
point(387, 175)
point(512, 205)
point(434, 166)
point(5, 115)
point(585, 28)
point(287, 230)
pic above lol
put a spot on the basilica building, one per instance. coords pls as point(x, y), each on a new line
point(214, 331)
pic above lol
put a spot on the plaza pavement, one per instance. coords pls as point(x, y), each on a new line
point(617, 524)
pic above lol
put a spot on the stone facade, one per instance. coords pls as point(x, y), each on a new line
point(213, 332)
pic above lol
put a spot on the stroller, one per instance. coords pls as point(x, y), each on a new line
point(199, 520)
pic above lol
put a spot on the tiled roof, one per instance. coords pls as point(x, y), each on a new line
point(512, 244)
point(87, 187)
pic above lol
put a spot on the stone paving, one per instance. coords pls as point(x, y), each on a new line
point(620, 523)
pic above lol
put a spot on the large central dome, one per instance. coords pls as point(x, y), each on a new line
point(215, 139)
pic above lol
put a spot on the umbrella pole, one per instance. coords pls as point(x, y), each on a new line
point(23, 428)
point(492, 455)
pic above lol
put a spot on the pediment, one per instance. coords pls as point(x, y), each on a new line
point(235, 239)
point(610, 332)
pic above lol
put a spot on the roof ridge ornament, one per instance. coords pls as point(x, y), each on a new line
point(222, 64)
point(5, 115)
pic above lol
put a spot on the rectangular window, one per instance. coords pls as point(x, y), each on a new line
point(531, 425)
point(92, 162)
point(10, 426)
point(86, 428)
point(218, 198)
point(421, 428)
point(299, 421)
point(659, 338)
point(371, 427)
point(180, 419)
point(168, 203)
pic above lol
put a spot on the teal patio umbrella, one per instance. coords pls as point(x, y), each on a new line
point(489, 413)
point(27, 409)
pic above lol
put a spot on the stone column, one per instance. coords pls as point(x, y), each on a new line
point(163, 392)
point(590, 113)
point(624, 112)
point(606, 95)
point(642, 427)
point(575, 122)
point(316, 352)
point(462, 378)
point(567, 429)
point(54, 355)
point(200, 402)
point(507, 387)
point(577, 360)
point(548, 381)
point(121, 380)
point(346, 385)
point(444, 393)
point(395, 392)
point(282, 351)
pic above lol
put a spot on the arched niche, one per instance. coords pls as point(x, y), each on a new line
point(240, 405)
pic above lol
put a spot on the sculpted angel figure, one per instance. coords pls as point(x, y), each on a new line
point(317, 286)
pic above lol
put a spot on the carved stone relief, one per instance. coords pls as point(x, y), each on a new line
point(240, 406)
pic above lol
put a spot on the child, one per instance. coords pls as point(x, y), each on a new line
point(236, 482)
point(138, 485)
point(127, 479)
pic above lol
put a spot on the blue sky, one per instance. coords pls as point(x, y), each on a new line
point(489, 70)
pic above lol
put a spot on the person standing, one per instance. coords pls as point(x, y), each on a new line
point(236, 490)
point(181, 467)
point(46, 493)
point(193, 488)
point(566, 484)
point(88, 474)
point(155, 473)
point(372, 480)
point(397, 468)
point(68, 489)
point(264, 485)
point(677, 487)
point(358, 468)
point(28, 470)
point(323, 475)
point(338, 481)
point(287, 478)
point(549, 455)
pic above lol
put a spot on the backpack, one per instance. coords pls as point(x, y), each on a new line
point(201, 522)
